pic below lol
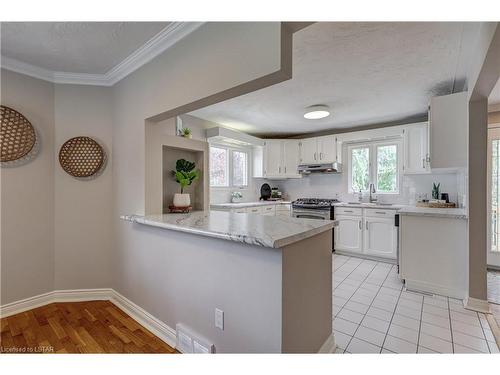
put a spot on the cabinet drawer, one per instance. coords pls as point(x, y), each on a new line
point(268, 210)
point(351, 211)
point(239, 210)
point(283, 213)
point(254, 210)
point(376, 212)
point(283, 207)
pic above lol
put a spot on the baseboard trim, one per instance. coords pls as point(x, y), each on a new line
point(478, 305)
point(421, 286)
point(150, 322)
point(329, 345)
point(153, 324)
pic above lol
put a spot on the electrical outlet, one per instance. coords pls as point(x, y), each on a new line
point(219, 319)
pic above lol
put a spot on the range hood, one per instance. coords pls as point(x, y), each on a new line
point(320, 168)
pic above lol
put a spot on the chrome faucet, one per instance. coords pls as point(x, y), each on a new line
point(372, 191)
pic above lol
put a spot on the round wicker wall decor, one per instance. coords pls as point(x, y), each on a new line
point(82, 157)
point(18, 138)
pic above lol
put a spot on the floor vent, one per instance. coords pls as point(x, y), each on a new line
point(188, 342)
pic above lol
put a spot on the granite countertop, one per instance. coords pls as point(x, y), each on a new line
point(452, 213)
point(247, 204)
point(261, 230)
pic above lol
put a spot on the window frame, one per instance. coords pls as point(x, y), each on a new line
point(372, 168)
point(229, 166)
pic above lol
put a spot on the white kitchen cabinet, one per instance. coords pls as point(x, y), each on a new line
point(281, 158)
point(416, 148)
point(338, 147)
point(318, 150)
point(327, 149)
point(348, 234)
point(366, 231)
point(379, 238)
point(290, 158)
point(308, 151)
point(268, 210)
point(448, 127)
point(272, 158)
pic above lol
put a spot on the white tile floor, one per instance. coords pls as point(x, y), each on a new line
point(494, 286)
point(373, 314)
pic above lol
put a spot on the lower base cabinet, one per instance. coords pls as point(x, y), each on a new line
point(380, 238)
point(348, 234)
point(371, 233)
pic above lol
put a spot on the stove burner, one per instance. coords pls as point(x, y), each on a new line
point(314, 202)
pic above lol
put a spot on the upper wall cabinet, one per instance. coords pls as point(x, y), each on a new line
point(279, 159)
point(318, 150)
point(416, 148)
point(448, 126)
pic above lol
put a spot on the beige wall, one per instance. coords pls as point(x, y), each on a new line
point(83, 209)
point(150, 266)
point(27, 197)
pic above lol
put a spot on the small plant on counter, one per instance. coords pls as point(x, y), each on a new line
point(236, 196)
point(187, 133)
point(435, 190)
point(184, 174)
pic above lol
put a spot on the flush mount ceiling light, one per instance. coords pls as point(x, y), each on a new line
point(316, 112)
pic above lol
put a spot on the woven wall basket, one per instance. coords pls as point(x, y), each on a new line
point(82, 158)
point(18, 138)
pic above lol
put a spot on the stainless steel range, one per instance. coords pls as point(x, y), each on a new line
point(315, 208)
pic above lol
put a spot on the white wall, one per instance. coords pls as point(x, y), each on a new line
point(27, 197)
point(149, 266)
point(83, 209)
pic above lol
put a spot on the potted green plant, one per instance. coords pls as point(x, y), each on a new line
point(187, 133)
point(184, 174)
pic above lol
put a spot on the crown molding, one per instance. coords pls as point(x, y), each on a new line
point(162, 41)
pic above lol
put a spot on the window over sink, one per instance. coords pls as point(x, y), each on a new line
point(228, 167)
point(377, 163)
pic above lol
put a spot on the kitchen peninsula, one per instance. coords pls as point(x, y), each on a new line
point(271, 275)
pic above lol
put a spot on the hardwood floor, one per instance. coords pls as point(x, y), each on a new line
point(77, 327)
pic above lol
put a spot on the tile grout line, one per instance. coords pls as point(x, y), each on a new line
point(392, 317)
point(451, 326)
point(484, 335)
point(356, 330)
point(420, 323)
point(369, 306)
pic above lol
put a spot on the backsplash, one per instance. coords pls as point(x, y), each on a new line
point(335, 186)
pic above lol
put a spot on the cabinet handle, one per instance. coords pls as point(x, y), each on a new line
point(366, 225)
point(347, 211)
point(314, 156)
point(320, 156)
point(285, 169)
point(423, 163)
point(380, 212)
point(359, 222)
point(279, 169)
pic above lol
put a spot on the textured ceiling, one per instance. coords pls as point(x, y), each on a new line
point(77, 47)
point(368, 73)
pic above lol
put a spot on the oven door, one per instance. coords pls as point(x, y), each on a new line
point(305, 213)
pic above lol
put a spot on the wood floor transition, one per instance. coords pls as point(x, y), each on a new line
point(77, 327)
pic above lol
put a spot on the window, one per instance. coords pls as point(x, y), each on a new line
point(383, 172)
point(228, 167)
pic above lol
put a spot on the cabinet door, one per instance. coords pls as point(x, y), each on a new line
point(348, 234)
point(291, 158)
point(309, 151)
point(380, 238)
point(339, 149)
point(272, 157)
point(416, 149)
point(327, 149)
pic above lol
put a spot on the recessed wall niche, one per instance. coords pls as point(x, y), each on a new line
point(163, 149)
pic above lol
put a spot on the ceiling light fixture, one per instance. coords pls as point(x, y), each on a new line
point(315, 112)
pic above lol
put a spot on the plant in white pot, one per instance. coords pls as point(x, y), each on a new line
point(185, 174)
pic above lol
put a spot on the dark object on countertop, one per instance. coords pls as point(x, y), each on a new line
point(265, 192)
point(445, 197)
point(435, 190)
